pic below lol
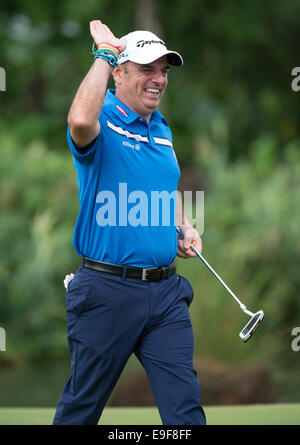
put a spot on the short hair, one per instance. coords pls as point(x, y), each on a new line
point(125, 69)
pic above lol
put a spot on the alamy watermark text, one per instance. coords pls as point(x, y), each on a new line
point(296, 81)
point(2, 340)
point(155, 208)
point(2, 79)
point(296, 341)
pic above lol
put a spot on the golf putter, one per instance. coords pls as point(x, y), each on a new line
point(256, 318)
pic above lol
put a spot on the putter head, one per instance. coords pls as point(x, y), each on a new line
point(251, 326)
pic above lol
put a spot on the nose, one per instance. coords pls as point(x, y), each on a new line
point(158, 77)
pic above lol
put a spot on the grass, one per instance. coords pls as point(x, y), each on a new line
point(277, 414)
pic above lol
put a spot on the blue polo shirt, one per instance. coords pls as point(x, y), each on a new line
point(127, 183)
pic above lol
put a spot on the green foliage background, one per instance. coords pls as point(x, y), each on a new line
point(235, 121)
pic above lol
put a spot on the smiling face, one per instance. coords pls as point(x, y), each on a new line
point(141, 87)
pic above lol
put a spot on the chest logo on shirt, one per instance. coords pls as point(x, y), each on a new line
point(134, 146)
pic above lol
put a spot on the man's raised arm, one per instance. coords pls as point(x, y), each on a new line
point(84, 113)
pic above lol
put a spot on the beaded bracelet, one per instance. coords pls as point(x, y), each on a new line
point(95, 47)
point(118, 48)
point(110, 56)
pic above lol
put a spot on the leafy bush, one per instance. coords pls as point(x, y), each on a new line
point(38, 207)
point(251, 239)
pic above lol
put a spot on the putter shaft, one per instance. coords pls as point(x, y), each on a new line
point(242, 306)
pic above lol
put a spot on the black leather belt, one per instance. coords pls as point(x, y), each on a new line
point(144, 274)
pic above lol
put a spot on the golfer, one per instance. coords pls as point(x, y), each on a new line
point(126, 297)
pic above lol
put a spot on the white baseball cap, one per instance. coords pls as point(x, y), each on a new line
point(144, 47)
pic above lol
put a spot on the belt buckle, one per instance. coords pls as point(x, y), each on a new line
point(145, 272)
point(165, 272)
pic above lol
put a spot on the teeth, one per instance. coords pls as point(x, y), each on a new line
point(152, 90)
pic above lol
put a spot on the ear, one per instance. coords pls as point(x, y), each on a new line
point(117, 74)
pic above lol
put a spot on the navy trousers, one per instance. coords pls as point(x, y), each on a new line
point(109, 318)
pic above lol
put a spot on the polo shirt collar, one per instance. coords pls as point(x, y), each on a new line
point(125, 113)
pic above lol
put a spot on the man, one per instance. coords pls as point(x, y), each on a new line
point(127, 298)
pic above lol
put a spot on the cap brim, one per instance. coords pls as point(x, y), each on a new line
point(173, 57)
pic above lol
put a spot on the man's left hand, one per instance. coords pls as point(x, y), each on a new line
point(191, 237)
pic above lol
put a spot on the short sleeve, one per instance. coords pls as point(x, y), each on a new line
point(86, 157)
